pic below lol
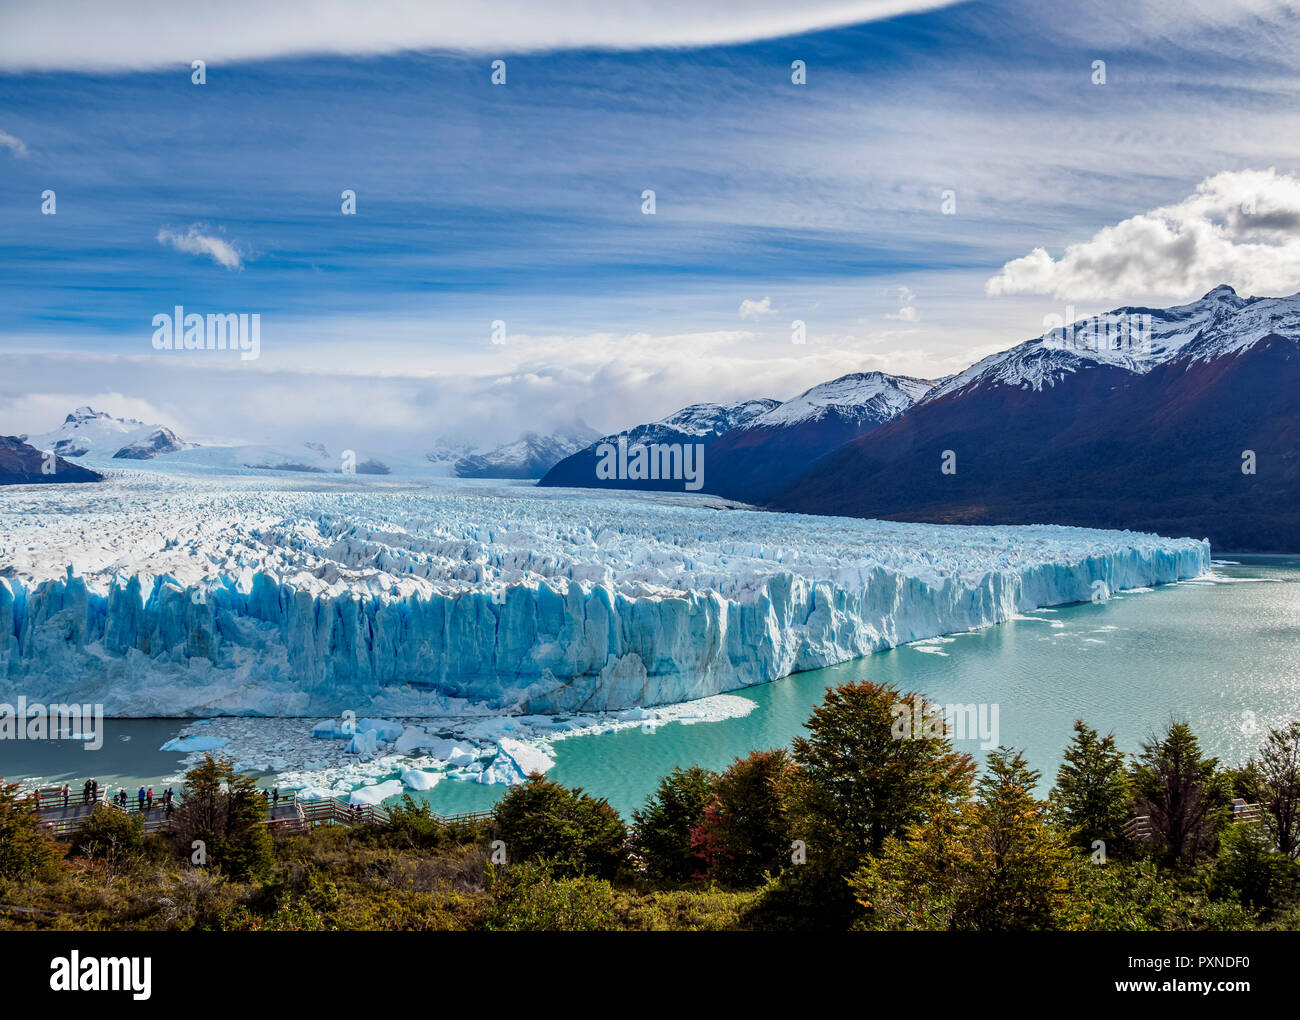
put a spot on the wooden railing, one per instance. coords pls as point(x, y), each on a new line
point(288, 814)
point(48, 797)
point(461, 817)
point(1139, 826)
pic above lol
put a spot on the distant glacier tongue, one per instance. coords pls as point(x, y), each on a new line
point(158, 594)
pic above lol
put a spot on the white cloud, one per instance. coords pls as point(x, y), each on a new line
point(139, 34)
point(35, 413)
point(1241, 228)
point(13, 144)
point(195, 242)
point(907, 313)
point(756, 309)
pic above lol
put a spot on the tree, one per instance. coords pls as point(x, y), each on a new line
point(1093, 796)
point(26, 848)
point(745, 832)
point(661, 830)
point(1273, 779)
point(223, 810)
point(875, 762)
point(994, 864)
point(1182, 793)
point(861, 780)
point(570, 831)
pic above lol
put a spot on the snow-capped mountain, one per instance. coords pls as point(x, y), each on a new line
point(529, 456)
point(697, 424)
point(1191, 430)
point(862, 396)
point(1135, 339)
point(754, 447)
point(23, 464)
point(98, 435)
point(756, 459)
point(446, 452)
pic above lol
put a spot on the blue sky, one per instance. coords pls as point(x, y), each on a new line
point(522, 203)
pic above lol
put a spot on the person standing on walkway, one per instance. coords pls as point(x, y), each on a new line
point(94, 791)
point(140, 798)
point(67, 790)
point(149, 798)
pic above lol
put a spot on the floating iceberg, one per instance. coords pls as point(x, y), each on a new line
point(369, 796)
point(162, 595)
point(418, 779)
point(364, 742)
point(194, 743)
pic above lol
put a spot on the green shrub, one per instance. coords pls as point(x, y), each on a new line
point(531, 898)
point(699, 909)
point(108, 833)
point(1122, 896)
point(575, 834)
point(1251, 872)
point(414, 823)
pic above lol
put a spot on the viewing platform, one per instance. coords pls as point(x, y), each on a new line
point(289, 814)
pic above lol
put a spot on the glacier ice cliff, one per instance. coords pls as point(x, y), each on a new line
point(159, 595)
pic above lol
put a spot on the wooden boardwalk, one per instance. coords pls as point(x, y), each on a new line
point(287, 815)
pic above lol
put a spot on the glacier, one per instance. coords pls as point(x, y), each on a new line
point(160, 594)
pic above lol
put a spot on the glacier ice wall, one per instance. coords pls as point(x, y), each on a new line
point(171, 597)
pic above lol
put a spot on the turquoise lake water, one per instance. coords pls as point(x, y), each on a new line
point(1224, 656)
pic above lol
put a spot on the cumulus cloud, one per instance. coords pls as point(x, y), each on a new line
point(13, 144)
point(196, 242)
point(141, 34)
point(756, 309)
point(1241, 228)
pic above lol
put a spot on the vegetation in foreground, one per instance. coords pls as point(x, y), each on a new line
point(853, 828)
